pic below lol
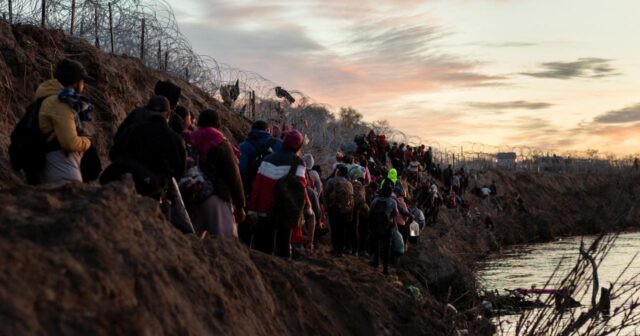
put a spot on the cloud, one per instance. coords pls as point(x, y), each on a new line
point(516, 104)
point(347, 53)
point(508, 44)
point(582, 68)
point(625, 115)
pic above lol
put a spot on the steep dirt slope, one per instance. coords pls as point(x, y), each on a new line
point(28, 56)
point(88, 260)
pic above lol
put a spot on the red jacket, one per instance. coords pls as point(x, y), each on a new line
point(273, 167)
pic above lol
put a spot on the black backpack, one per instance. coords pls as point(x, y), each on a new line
point(289, 197)
point(381, 217)
point(28, 147)
point(255, 162)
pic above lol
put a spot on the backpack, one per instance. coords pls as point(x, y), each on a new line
point(254, 164)
point(359, 195)
point(289, 198)
point(397, 243)
point(28, 147)
point(341, 197)
point(195, 187)
point(381, 216)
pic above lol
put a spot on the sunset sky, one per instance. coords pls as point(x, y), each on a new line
point(546, 73)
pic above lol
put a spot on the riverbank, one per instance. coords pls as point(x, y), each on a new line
point(552, 206)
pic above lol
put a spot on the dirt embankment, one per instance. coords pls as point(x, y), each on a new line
point(28, 56)
point(81, 259)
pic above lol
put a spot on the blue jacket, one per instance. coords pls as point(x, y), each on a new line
point(248, 150)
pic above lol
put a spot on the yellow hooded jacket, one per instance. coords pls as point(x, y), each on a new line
point(57, 118)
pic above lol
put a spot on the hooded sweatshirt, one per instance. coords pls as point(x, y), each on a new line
point(57, 118)
point(248, 151)
point(219, 162)
point(309, 162)
point(391, 176)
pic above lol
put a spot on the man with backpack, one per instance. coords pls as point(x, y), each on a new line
point(150, 151)
point(340, 201)
point(254, 149)
point(165, 89)
point(278, 199)
point(258, 145)
point(384, 209)
point(61, 113)
point(358, 231)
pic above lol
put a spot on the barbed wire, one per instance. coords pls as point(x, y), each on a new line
point(148, 30)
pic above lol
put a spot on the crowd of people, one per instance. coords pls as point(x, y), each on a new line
point(267, 192)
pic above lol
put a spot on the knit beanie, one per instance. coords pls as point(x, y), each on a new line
point(293, 141)
point(69, 72)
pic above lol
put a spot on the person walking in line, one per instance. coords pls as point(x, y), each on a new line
point(150, 151)
point(309, 162)
point(358, 231)
point(61, 117)
point(384, 208)
point(166, 89)
point(447, 175)
point(428, 159)
point(223, 211)
point(270, 233)
point(340, 202)
point(254, 149)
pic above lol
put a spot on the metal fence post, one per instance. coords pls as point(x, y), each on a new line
point(44, 13)
point(73, 16)
point(96, 28)
point(111, 28)
point(142, 42)
point(166, 61)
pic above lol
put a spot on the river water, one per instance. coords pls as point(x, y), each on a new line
point(524, 266)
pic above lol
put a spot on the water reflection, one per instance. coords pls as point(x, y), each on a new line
point(532, 265)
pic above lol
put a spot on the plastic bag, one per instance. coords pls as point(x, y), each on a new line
point(397, 243)
point(414, 229)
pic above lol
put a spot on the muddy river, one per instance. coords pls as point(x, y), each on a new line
point(531, 265)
